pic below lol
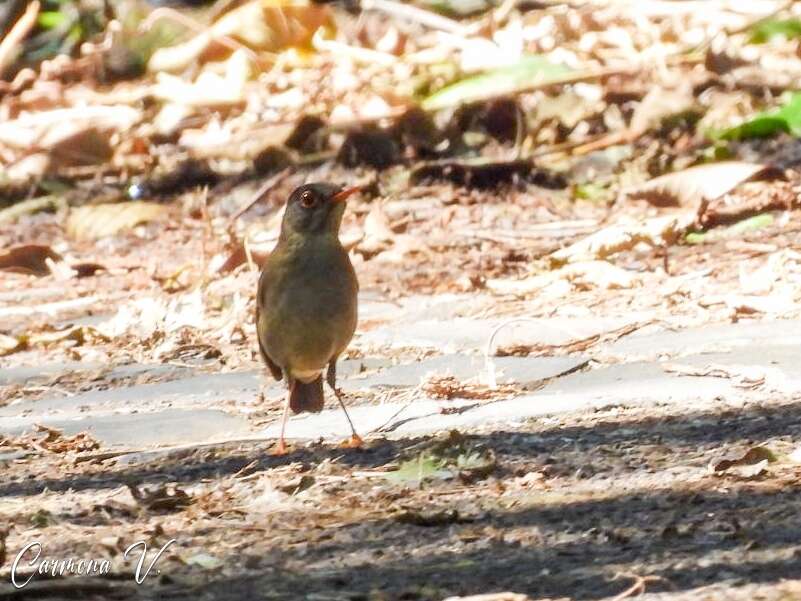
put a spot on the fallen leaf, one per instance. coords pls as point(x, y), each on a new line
point(424, 467)
point(71, 144)
point(10, 344)
point(703, 182)
point(204, 561)
point(431, 518)
point(210, 89)
point(583, 275)
point(742, 376)
point(30, 259)
point(659, 231)
point(262, 25)
point(161, 498)
point(53, 440)
point(786, 118)
point(660, 103)
point(748, 465)
point(448, 387)
point(767, 29)
point(98, 221)
point(532, 70)
point(749, 224)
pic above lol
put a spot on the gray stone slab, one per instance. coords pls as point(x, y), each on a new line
point(460, 334)
point(639, 381)
point(652, 342)
point(189, 391)
point(521, 370)
point(28, 373)
point(138, 430)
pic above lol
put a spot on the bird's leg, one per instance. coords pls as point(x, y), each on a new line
point(331, 377)
point(281, 448)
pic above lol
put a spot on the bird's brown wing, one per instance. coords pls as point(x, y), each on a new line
point(278, 374)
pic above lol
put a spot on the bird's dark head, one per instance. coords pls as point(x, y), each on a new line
point(315, 209)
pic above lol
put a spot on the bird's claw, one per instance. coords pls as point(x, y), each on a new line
point(354, 442)
point(280, 449)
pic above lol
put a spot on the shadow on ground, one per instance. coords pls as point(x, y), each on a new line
point(537, 542)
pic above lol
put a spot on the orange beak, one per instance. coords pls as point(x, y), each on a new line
point(343, 194)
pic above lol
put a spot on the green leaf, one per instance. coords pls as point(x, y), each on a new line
point(532, 71)
point(785, 119)
point(591, 191)
point(768, 29)
point(746, 225)
point(51, 19)
point(425, 467)
point(757, 222)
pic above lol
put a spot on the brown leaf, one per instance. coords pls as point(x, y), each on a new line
point(30, 259)
point(702, 183)
point(98, 221)
point(747, 465)
point(264, 25)
point(660, 103)
point(162, 498)
point(616, 238)
point(53, 440)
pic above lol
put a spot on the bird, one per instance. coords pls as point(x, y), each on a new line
point(306, 304)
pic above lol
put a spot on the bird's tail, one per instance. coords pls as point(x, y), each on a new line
point(307, 396)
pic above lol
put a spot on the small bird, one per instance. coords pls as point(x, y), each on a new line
point(306, 308)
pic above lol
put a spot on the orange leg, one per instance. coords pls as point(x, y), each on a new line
point(355, 440)
point(331, 377)
point(281, 448)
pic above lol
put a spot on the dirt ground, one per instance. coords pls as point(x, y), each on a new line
point(546, 202)
point(580, 507)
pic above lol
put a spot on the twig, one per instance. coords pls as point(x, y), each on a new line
point(10, 44)
point(30, 206)
point(492, 381)
point(415, 14)
point(638, 588)
point(357, 53)
point(260, 193)
point(165, 12)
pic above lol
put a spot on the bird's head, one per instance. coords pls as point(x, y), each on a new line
point(315, 209)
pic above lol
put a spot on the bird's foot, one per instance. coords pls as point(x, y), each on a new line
point(354, 442)
point(280, 449)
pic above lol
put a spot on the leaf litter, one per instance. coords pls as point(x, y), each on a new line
point(231, 103)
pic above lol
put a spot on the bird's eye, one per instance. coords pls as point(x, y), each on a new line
point(307, 199)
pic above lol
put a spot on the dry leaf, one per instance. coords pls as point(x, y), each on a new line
point(378, 234)
point(660, 103)
point(749, 465)
point(616, 238)
point(98, 221)
point(691, 186)
point(30, 259)
point(9, 344)
point(590, 274)
point(210, 89)
point(162, 498)
point(263, 25)
point(742, 376)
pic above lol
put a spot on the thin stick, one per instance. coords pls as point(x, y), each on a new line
point(23, 26)
point(164, 12)
point(260, 193)
point(492, 380)
point(415, 14)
